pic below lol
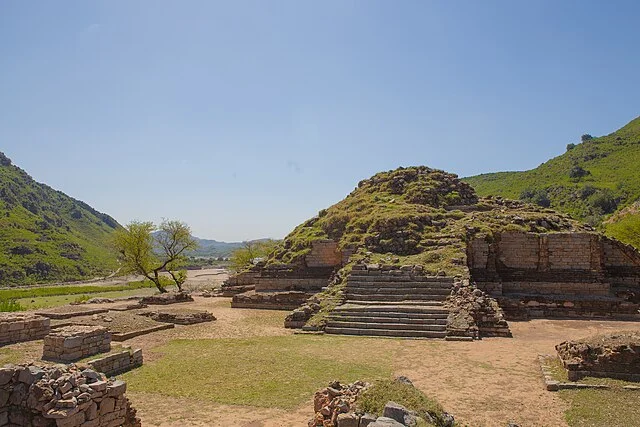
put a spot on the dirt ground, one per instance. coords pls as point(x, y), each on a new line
point(482, 383)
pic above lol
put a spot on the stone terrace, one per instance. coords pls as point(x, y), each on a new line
point(17, 327)
point(75, 342)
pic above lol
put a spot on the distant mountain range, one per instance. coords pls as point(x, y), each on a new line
point(596, 180)
point(216, 249)
point(46, 235)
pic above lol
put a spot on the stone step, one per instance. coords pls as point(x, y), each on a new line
point(417, 306)
point(394, 297)
point(378, 289)
point(387, 325)
point(436, 319)
point(392, 278)
point(402, 322)
point(402, 316)
point(386, 332)
point(424, 285)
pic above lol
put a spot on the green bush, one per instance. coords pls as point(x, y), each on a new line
point(10, 305)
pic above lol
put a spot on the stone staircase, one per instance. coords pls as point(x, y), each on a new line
point(392, 303)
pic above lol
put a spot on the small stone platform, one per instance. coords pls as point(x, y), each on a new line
point(612, 356)
point(117, 363)
point(179, 318)
point(166, 298)
point(69, 311)
point(18, 327)
point(71, 343)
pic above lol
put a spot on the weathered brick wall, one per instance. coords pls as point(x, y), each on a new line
point(557, 274)
point(75, 342)
point(519, 250)
point(17, 327)
point(62, 396)
point(324, 253)
point(117, 363)
point(571, 251)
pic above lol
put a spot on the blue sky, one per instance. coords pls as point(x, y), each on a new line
point(244, 118)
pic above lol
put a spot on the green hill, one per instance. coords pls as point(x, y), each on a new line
point(46, 235)
point(591, 181)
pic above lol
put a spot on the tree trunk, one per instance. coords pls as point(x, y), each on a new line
point(156, 280)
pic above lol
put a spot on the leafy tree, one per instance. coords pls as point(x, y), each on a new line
point(571, 146)
point(538, 196)
point(251, 252)
point(586, 137)
point(143, 253)
point(578, 172)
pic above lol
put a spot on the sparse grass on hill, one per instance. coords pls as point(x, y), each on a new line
point(415, 216)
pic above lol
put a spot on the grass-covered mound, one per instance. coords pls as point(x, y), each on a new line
point(376, 397)
point(416, 216)
point(590, 181)
point(46, 235)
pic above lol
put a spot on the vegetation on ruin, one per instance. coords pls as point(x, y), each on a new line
point(416, 215)
point(143, 249)
point(281, 372)
point(48, 236)
point(376, 397)
point(590, 181)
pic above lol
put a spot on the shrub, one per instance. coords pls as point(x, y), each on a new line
point(538, 196)
point(603, 201)
point(10, 305)
point(571, 146)
point(578, 172)
point(586, 137)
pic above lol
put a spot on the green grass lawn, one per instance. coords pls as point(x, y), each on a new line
point(281, 372)
point(595, 408)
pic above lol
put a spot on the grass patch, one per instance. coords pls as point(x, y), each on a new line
point(58, 300)
point(612, 408)
point(279, 372)
point(48, 291)
point(374, 399)
point(10, 356)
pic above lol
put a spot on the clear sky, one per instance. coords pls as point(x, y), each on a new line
point(244, 118)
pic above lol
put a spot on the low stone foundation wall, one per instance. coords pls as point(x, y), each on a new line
point(287, 300)
point(168, 298)
point(75, 342)
point(613, 356)
point(17, 327)
point(62, 396)
point(118, 363)
point(179, 318)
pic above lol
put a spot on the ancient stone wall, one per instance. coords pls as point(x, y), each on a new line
point(75, 342)
point(324, 253)
point(17, 327)
point(557, 274)
point(62, 396)
point(117, 363)
point(614, 356)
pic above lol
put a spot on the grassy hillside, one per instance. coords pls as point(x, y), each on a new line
point(46, 235)
point(591, 181)
point(416, 216)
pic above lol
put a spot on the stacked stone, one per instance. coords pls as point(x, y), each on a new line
point(613, 356)
point(75, 342)
point(166, 298)
point(17, 327)
point(334, 406)
point(324, 253)
point(473, 313)
point(118, 363)
point(180, 318)
point(62, 396)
